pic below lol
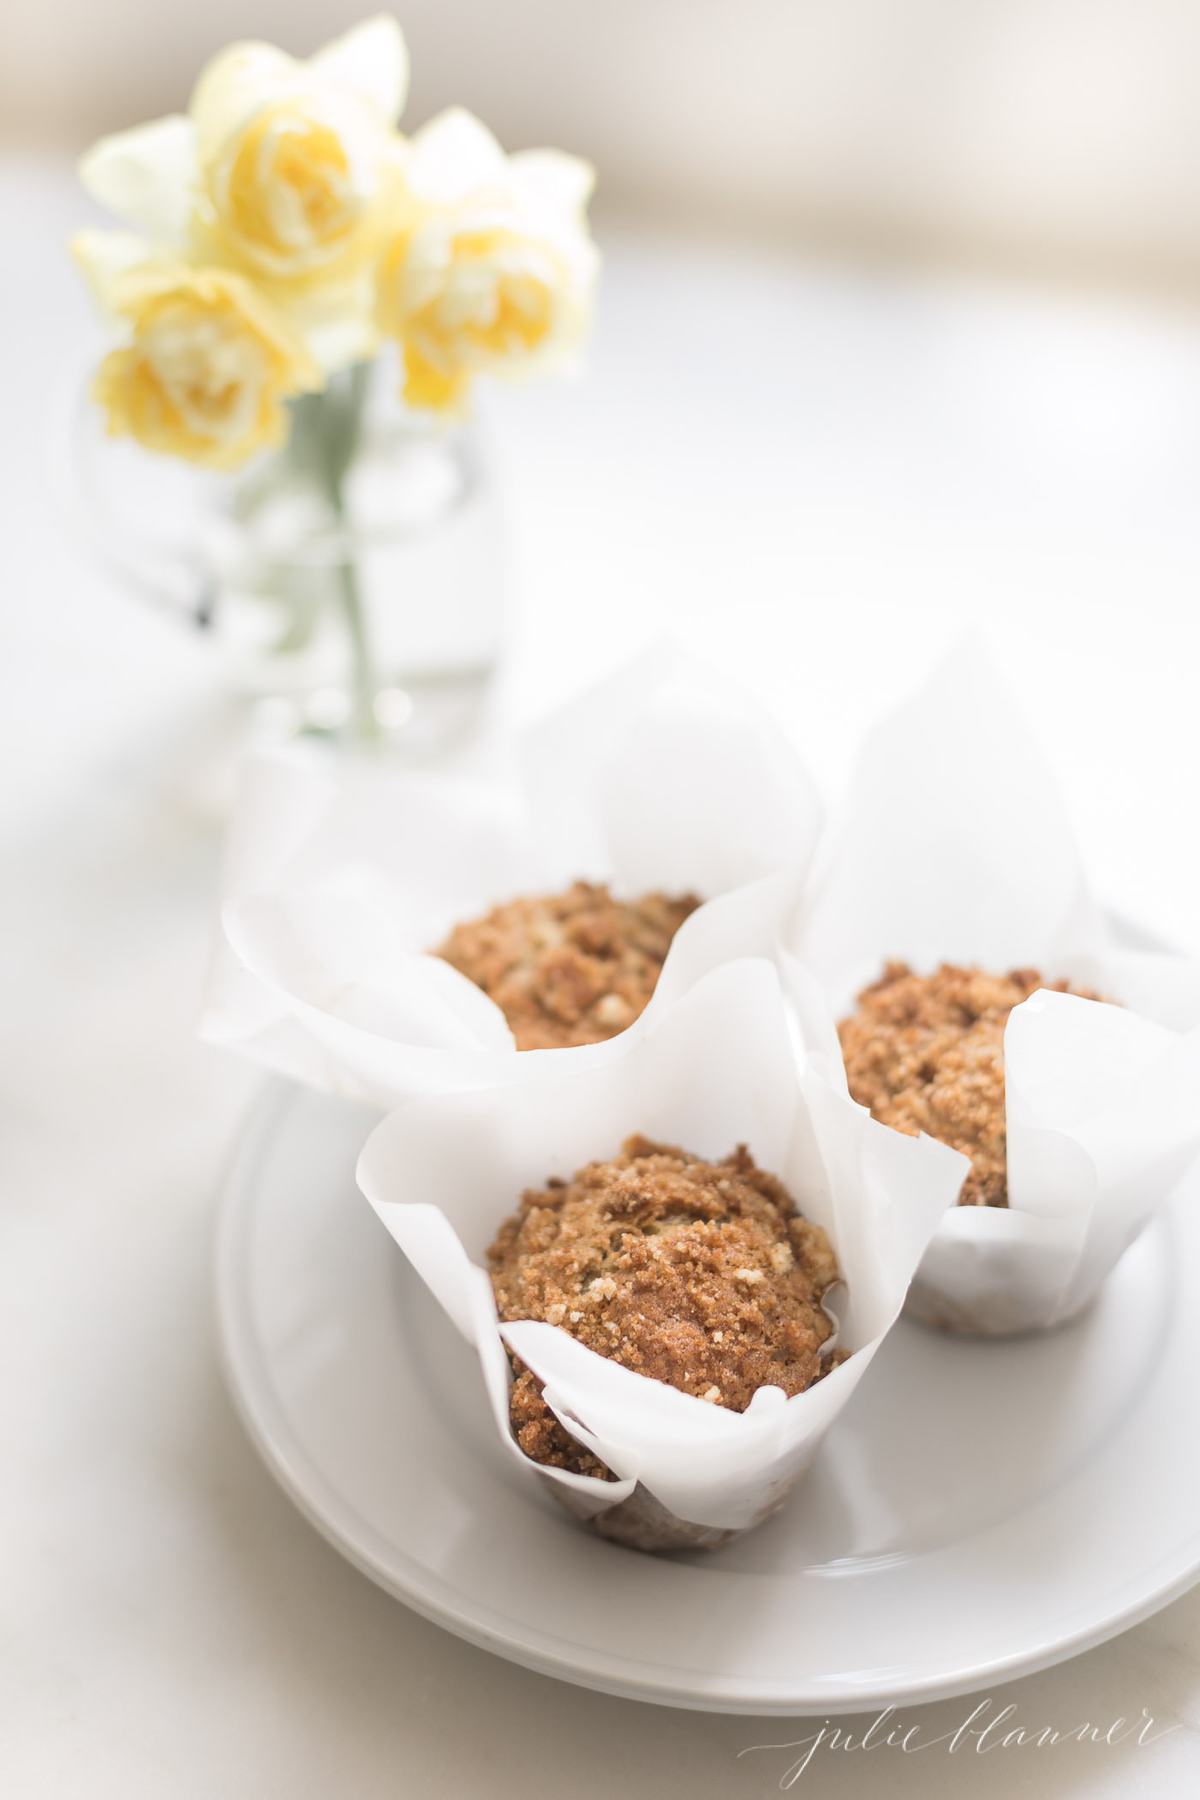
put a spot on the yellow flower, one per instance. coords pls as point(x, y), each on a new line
point(491, 268)
point(283, 169)
point(208, 363)
point(295, 157)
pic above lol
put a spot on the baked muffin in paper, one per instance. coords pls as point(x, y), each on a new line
point(343, 881)
point(954, 848)
point(711, 1070)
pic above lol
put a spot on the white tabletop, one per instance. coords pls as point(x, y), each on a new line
point(817, 478)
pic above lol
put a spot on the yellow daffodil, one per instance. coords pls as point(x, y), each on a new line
point(207, 364)
point(281, 228)
point(490, 269)
point(284, 170)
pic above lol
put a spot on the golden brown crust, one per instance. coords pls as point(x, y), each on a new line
point(698, 1274)
point(926, 1053)
point(572, 968)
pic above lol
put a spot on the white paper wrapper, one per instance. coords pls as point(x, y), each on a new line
point(337, 886)
point(716, 1069)
point(955, 848)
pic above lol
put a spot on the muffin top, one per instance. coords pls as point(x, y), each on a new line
point(926, 1053)
point(571, 968)
point(698, 1274)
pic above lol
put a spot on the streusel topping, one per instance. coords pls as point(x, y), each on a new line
point(702, 1275)
point(571, 968)
point(926, 1053)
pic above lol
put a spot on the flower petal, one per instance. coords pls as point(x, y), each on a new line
point(452, 156)
point(105, 257)
point(234, 86)
point(551, 180)
point(146, 176)
point(337, 324)
point(372, 61)
point(431, 389)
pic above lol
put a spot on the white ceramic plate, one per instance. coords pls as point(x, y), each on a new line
point(979, 1511)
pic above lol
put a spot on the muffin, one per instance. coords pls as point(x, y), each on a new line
point(698, 1274)
point(926, 1053)
point(571, 968)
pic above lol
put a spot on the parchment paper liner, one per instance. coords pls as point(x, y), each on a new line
point(337, 885)
point(955, 847)
point(714, 1068)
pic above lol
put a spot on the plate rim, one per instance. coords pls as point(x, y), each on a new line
point(533, 1649)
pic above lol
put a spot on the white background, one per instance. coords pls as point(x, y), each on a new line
point(815, 477)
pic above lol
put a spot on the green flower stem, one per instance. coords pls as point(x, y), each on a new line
point(327, 429)
point(366, 721)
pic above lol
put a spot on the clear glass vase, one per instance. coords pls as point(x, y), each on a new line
point(352, 582)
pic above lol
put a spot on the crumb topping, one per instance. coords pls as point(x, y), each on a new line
point(926, 1053)
point(702, 1275)
point(572, 968)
